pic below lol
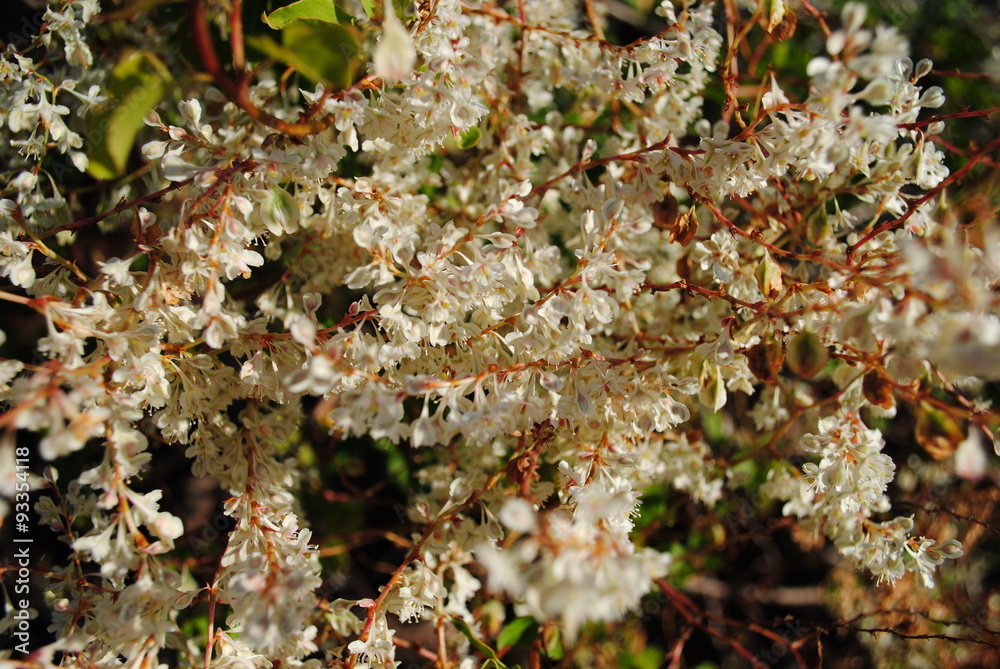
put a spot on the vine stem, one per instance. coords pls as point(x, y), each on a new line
point(415, 554)
point(982, 113)
point(125, 205)
point(974, 160)
point(239, 90)
point(236, 38)
point(45, 250)
point(210, 628)
point(696, 616)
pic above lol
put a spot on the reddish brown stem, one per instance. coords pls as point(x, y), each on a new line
point(974, 160)
point(210, 631)
point(125, 205)
point(238, 91)
point(981, 113)
point(236, 38)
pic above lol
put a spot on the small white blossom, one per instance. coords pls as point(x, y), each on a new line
point(395, 55)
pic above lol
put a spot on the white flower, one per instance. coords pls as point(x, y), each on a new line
point(971, 460)
point(395, 56)
point(377, 651)
point(117, 270)
point(518, 515)
point(468, 266)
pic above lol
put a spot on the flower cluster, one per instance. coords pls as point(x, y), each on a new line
point(542, 261)
point(840, 494)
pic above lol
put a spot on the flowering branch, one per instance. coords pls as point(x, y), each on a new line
point(522, 290)
point(954, 178)
point(238, 90)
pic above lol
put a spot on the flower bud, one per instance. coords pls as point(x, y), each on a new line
point(923, 68)
point(877, 92)
point(971, 460)
point(933, 97)
point(768, 275)
point(518, 515)
point(713, 391)
point(395, 55)
point(949, 550)
point(854, 16)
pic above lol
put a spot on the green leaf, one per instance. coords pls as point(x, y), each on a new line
point(712, 425)
point(491, 655)
point(397, 465)
point(650, 658)
point(369, 6)
point(469, 138)
point(332, 50)
point(194, 627)
point(519, 632)
point(322, 52)
point(137, 84)
point(309, 10)
point(553, 643)
point(436, 161)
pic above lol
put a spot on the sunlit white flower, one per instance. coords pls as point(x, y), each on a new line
point(395, 56)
